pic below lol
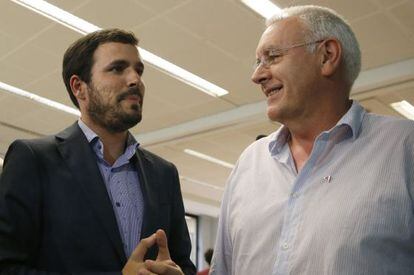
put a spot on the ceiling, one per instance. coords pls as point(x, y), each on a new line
point(214, 39)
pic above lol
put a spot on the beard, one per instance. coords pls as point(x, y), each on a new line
point(111, 115)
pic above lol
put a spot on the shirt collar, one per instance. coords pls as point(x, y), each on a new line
point(96, 142)
point(352, 120)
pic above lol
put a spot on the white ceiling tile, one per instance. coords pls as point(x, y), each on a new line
point(404, 14)
point(226, 24)
point(51, 121)
point(350, 9)
point(390, 51)
point(369, 39)
point(16, 20)
point(13, 107)
point(389, 3)
point(55, 40)
point(13, 74)
point(33, 60)
point(52, 87)
point(70, 6)
point(114, 14)
point(8, 43)
point(160, 6)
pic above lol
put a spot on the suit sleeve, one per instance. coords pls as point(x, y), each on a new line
point(20, 200)
point(179, 242)
point(20, 211)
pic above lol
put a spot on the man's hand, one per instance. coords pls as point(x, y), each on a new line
point(163, 265)
point(136, 261)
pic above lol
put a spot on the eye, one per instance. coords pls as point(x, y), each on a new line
point(140, 70)
point(116, 69)
point(273, 54)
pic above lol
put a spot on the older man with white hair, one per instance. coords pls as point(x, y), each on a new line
point(331, 191)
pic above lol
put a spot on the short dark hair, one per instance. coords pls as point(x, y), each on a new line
point(208, 255)
point(78, 58)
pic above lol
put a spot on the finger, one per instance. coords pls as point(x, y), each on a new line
point(145, 272)
point(139, 252)
point(163, 252)
point(162, 268)
point(170, 262)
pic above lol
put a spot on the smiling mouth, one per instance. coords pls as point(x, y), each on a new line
point(273, 91)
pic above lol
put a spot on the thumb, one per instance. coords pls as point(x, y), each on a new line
point(139, 252)
point(163, 252)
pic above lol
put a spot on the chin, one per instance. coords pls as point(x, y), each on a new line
point(273, 114)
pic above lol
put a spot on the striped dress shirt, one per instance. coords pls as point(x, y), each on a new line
point(122, 183)
point(348, 211)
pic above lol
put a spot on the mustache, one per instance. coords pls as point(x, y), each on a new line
point(131, 91)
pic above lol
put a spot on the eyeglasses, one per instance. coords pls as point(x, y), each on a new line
point(272, 55)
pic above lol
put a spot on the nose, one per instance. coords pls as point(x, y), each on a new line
point(133, 78)
point(261, 75)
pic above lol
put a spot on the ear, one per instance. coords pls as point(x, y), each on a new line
point(331, 57)
point(78, 87)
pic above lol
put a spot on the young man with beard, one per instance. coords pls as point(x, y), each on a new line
point(331, 191)
point(80, 202)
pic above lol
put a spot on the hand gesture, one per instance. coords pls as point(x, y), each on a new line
point(163, 265)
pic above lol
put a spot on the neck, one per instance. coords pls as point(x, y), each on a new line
point(304, 132)
point(113, 143)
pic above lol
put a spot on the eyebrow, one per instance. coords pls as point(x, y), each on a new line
point(122, 62)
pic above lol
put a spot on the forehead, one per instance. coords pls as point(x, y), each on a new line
point(281, 33)
point(110, 51)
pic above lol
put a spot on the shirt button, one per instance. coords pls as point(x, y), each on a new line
point(294, 195)
point(285, 246)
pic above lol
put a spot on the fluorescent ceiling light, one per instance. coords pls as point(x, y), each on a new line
point(202, 183)
point(263, 7)
point(58, 15)
point(209, 158)
point(77, 24)
point(404, 108)
point(39, 99)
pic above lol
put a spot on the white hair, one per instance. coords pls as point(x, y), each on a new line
point(323, 23)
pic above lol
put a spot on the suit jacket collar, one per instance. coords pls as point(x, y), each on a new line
point(147, 173)
point(81, 161)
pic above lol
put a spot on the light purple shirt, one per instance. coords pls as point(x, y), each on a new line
point(349, 210)
point(123, 186)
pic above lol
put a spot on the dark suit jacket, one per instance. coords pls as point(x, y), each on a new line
point(56, 216)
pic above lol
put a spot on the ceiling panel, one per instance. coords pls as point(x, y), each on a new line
point(161, 6)
point(389, 3)
point(101, 13)
point(21, 22)
point(71, 5)
point(237, 36)
point(403, 13)
point(34, 60)
point(51, 86)
point(55, 40)
point(350, 9)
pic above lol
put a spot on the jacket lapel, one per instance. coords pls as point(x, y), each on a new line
point(150, 187)
point(81, 160)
